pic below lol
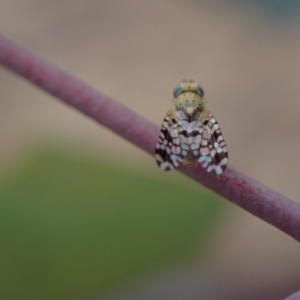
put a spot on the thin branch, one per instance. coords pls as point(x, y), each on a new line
point(295, 296)
point(249, 194)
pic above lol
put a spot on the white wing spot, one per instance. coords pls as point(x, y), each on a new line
point(204, 151)
point(216, 145)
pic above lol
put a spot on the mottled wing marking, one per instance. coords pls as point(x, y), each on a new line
point(186, 142)
point(167, 152)
point(213, 151)
point(190, 139)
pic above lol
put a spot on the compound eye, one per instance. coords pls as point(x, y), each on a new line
point(200, 90)
point(177, 90)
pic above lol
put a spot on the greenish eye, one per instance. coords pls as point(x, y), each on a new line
point(177, 90)
point(200, 90)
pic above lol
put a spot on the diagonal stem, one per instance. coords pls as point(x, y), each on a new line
point(249, 194)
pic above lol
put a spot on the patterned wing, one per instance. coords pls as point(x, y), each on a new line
point(168, 151)
point(213, 151)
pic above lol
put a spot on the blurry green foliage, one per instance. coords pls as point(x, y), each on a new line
point(71, 226)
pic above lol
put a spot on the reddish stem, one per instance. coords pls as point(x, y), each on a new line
point(295, 296)
point(249, 194)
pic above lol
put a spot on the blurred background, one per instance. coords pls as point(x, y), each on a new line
point(86, 215)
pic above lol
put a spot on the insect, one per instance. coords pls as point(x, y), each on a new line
point(190, 133)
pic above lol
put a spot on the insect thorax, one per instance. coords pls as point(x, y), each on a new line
point(189, 102)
